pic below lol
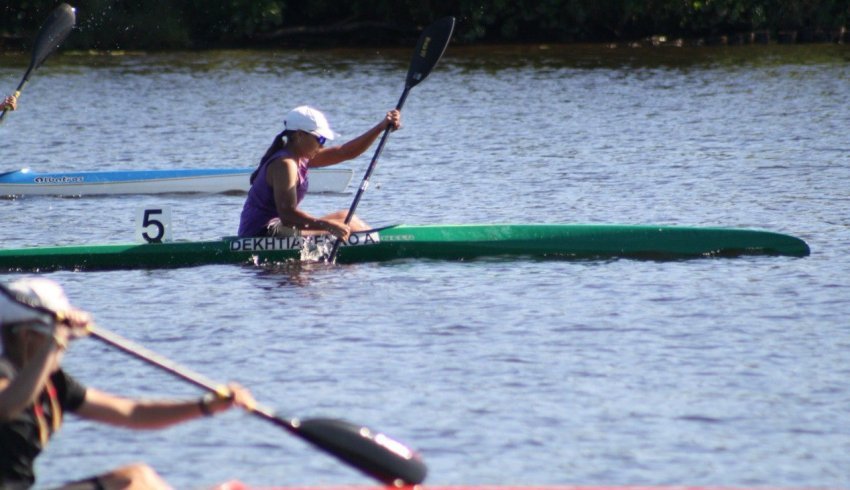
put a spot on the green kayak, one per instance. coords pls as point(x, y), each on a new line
point(445, 242)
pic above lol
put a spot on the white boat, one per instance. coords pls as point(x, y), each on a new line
point(26, 182)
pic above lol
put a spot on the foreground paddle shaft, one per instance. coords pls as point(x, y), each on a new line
point(375, 454)
point(51, 35)
point(429, 49)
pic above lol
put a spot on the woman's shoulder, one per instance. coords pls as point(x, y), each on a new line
point(283, 161)
point(281, 166)
point(281, 158)
point(280, 154)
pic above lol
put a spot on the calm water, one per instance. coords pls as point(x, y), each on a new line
point(730, 372)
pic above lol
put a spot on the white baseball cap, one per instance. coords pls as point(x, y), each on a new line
point(36, 291)
point(310, 120)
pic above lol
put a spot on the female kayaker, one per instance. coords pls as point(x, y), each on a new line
point(10, 103)
point(280, 182)
point(35, 391)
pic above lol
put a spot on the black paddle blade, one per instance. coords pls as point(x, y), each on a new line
point(375, 454)
point(53, 33)
point(429, 49)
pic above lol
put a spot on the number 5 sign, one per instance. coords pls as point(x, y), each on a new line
point(153, 225)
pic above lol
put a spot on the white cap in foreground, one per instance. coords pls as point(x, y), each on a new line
point(36, 291)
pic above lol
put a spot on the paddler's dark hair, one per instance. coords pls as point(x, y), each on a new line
point(278, 143)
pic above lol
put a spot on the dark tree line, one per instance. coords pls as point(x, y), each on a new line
point(165, 24)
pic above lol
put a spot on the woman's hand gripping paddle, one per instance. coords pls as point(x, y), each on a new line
point(430, 48)
point(373, 453)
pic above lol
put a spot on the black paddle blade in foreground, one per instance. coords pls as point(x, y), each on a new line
point(375, 454)
point(372, 453)
point(432, 44)
point(53, 33)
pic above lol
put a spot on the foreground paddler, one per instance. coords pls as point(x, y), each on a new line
point(38, 320)
point(280, 183)
point(35, 391)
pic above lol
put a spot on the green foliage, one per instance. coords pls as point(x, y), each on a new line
point(163, 24)
point(219, 21)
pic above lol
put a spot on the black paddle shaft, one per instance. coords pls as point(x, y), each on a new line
point(429, 49)
point(52, 34)
point(374, 454)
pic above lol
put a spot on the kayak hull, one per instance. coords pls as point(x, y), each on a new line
point(438, 242)
point(25, 182)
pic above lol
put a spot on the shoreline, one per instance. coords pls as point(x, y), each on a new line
point(839, 36)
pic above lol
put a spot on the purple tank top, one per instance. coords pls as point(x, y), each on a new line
point(259, 207)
